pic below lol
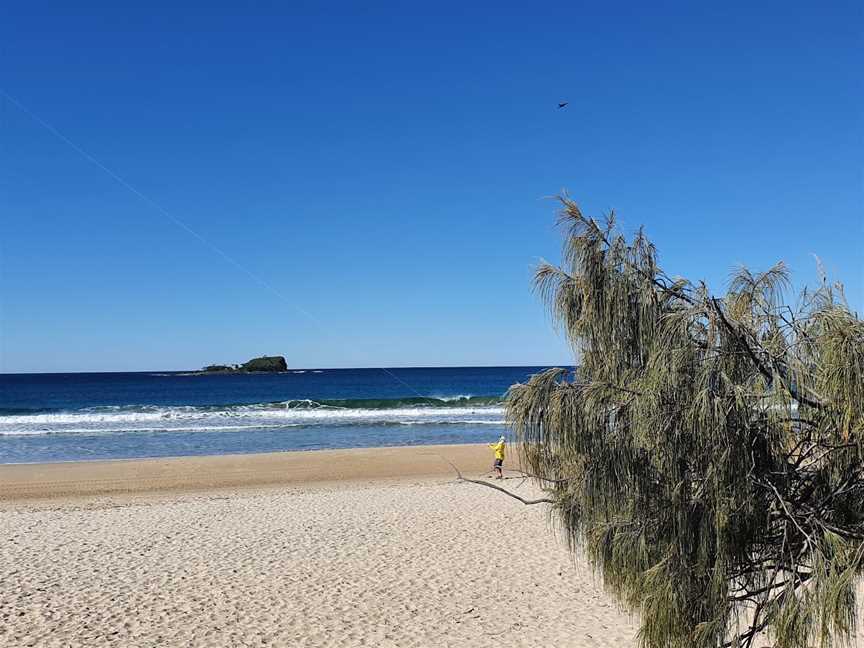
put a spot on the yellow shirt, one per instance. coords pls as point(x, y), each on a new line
point(498, 448)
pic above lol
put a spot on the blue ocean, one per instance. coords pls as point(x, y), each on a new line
point(81, 416)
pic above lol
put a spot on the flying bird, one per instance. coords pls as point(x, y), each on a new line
point(562, 104)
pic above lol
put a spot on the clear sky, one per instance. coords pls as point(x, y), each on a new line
point(386, 169)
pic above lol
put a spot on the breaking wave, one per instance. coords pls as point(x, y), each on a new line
point(464, 410)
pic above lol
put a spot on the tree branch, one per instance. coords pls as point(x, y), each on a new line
point(527, 502)
point(759, 364)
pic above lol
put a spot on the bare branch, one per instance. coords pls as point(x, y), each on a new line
point(527, 502)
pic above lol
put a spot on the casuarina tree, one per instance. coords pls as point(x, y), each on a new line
point(706, 451)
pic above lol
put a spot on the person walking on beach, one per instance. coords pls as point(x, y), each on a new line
point(499, 457)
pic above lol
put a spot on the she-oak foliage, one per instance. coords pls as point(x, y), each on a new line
point(707, 452)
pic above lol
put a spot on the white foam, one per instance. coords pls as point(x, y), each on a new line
point(107, 420)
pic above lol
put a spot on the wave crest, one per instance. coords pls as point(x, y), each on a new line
point(465, 410)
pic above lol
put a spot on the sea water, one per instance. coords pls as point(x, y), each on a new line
point(68, 417)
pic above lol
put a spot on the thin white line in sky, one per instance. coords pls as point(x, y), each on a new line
point(179, 223)
point(164, 212)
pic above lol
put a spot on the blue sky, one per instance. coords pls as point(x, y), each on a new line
point(386, 169)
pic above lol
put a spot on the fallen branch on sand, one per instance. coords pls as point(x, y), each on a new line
point(527, 502)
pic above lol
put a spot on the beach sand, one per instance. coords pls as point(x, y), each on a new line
point(232, 472)
point(378, 547)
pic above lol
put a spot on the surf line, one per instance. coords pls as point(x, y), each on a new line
point(181, 224)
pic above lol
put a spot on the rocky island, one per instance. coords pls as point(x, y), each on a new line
point(264, 364)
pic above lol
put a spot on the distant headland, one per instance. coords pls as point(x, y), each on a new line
point(264, 364)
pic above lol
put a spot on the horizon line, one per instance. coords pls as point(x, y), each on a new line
point(290, 370)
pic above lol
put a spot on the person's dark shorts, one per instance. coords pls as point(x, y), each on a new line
point(499, 463)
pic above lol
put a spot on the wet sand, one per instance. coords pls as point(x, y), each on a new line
point(195, 474)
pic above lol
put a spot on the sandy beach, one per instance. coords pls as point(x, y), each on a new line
point(377, 547)
point(209, 473)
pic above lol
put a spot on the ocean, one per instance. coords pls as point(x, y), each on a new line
point(88, 416)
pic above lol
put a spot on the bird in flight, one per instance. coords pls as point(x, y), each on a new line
point(563, 103)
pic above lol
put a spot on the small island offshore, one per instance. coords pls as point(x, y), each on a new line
point(264, 364)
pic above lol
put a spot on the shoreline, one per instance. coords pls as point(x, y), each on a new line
point(135, 477)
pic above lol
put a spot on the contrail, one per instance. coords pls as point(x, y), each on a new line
point(179, 223)
point(159, 208)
